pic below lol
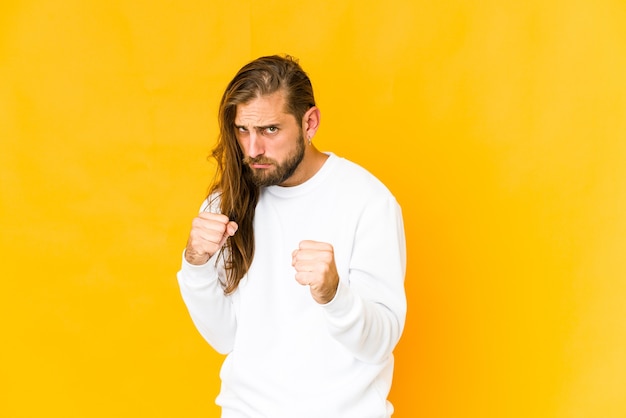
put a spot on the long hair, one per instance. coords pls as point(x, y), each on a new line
point(233, 184)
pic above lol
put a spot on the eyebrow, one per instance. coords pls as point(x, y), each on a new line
point(262, 127)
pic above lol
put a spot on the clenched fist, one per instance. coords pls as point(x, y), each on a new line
point(209, 232)
point(315, 267)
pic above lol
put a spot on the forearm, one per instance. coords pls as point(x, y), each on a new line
point(370, 330)
point(211, 311)
point(368, 312)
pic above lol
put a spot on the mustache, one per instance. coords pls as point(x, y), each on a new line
point(257, 160)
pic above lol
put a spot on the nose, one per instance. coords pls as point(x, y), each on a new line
point(256, 145)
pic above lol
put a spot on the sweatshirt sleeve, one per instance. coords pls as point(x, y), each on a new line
point(210, 309)
point(368, 312)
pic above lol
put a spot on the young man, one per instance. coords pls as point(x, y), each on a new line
point(295, 265)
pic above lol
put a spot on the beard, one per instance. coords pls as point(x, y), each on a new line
point(280, 171)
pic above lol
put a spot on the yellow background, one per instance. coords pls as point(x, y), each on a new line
point(500, 127)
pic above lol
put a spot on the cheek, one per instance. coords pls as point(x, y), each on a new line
point(282, 146)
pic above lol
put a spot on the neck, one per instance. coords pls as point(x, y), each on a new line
point(311, 163)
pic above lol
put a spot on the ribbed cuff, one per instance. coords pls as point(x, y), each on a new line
point(198, 275)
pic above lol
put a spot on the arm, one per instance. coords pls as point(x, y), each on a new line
point(200, 282)
point(211, 311)
point(366, 312)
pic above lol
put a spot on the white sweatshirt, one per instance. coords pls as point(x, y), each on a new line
point(287, 355)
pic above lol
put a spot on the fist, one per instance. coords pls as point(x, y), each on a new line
point(315, 267)
point(209, 232)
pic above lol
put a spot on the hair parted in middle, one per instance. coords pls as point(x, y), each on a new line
point(233, 183)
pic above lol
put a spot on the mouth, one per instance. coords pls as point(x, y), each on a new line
point(260, 166)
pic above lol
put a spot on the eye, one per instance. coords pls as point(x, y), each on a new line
point(242, 129)
point(271, 129)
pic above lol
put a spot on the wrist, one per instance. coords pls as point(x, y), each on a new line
point(195, 258)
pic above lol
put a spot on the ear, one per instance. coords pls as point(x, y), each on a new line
point(311, 122)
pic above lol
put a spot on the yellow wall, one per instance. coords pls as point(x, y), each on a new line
point(500, 126)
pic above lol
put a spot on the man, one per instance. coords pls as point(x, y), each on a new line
point(295, 265)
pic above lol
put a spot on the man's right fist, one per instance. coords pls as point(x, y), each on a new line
point(209, 232)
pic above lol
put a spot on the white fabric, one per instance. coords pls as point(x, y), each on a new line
point(288, 356)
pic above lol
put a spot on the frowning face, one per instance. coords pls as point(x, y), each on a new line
point(271, 139)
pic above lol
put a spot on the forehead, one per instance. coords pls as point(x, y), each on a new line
point(262, 110)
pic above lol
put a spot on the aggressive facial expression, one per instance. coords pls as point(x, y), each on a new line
point(271, 140)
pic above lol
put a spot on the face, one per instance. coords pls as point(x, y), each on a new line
point(271, 139)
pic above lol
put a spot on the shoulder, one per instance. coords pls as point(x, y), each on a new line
point(355, 177)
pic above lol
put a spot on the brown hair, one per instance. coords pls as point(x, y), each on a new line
point(238, 194)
